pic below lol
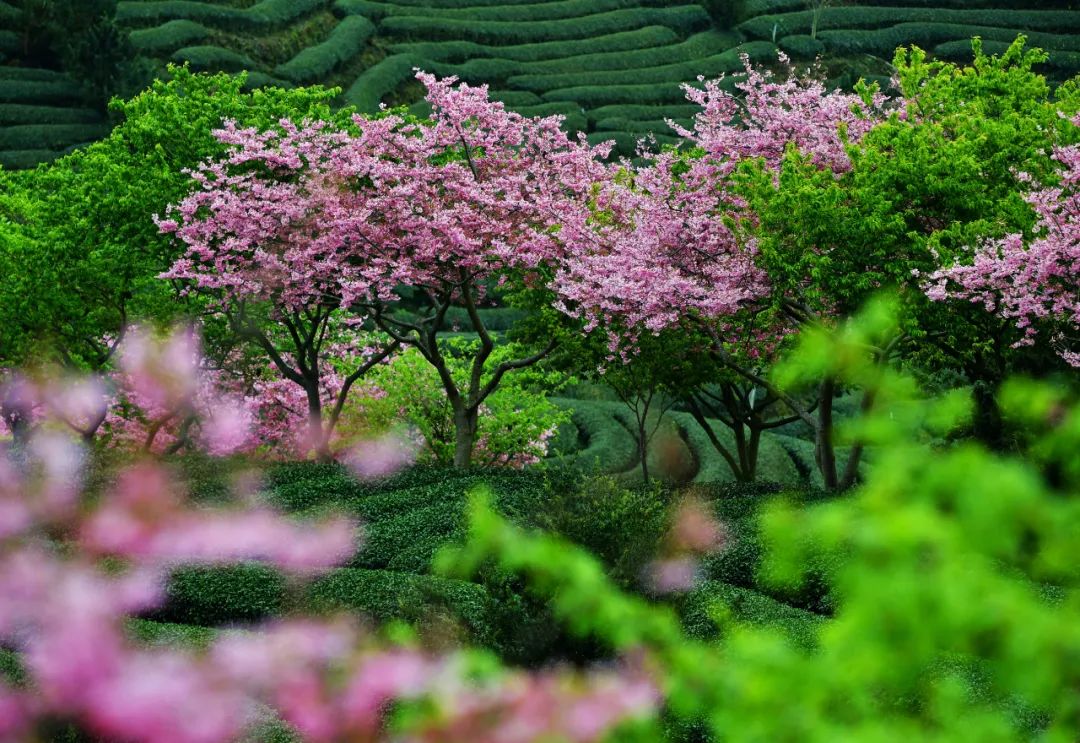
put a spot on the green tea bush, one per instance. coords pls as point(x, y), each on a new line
point(683, 19)
point(637, 112)
point(49, 136)
point(515, 98)
point(517, 13)
point(462, 51)
point(884, 41)
point(213, 59)
point(263, 15)
point(169, 36)
point(170, 634)
point(216, 595)
point(345, 42)
point(379, 80)
point(21, 113)
point(801, 46)
point(385, 539)
point(845, 17)
point(699, 608)
point(383, 596)
point(961, 51)
point(25, 159)
point(609, 447)
point(39, 91)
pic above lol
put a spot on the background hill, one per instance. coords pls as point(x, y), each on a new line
point(612, 67)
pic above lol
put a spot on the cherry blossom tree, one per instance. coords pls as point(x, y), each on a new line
point(1033, 283)
point(675, 242)
point(316, 220)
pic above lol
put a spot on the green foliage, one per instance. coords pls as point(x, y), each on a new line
point(379, 80)
point(169, 36)
point(52, 90)
point(213, 59)
point(22, 113)
point(514, 12)
point(262, 16)
point(607, 446)
point(884, 41)
point(383, 596)
point(49, 136)
point(800, 46)
point(682, 18)
point(215, 595)
point(170, 634)
point(345, 42)
point(88, 251)
point(462, 51)
point(700, 616)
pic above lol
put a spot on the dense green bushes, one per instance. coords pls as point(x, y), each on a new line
point(800, 46)
point(263, 15)
point(960, 50)
point(700, 618)
point(216, 595)
point(168, 36)
point(345, 42)
point(844, 17)
point(49, 136)
point(213, 58)
point(461, 51)
point(884, 41)
point(682, 18)
point(518, 13)
point(379, 80)
point(21, 113)
point(41, 91)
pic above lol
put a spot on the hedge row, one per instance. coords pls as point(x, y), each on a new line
point(845, 17)
point(58, 90)
point(683, 18)
point(380, 80)
point(461, 51)
point(523, 13)
point(660, 126)
point(609, 447)
point(801, 46)
point(25, 159)
point(723, 63)
point(640, 112)
point(213, 58)
point(574, 120)
point(590, 96)
point(263, 15)
point(1067, 61)
point(748, 606)
point(774, 462)
point(346, 41)
point(168, 36)
point(49, 136)
point(515, 98)
point(21, 113)
point(700, 45)
point(884, 41)
point(9, 42)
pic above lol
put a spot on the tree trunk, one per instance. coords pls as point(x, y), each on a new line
point(750, 467)
point(825, 452)
point(320, 438)
point(465, 424)
point(643, 449)
point(988, 426)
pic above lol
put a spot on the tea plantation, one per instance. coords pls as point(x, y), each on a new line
point(613, 68)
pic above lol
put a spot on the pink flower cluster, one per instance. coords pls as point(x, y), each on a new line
point(1033, 283)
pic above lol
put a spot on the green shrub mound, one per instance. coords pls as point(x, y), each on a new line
point(608, 446)
point(213, 59)
point(515, 13)
point(379, 80)
point(697, 46)
point(262, 16)
point(659, 126)
point(169, 634)
point(345, 42)
point(21, 113)
point(1067, 61)
point(638, 112)
point(884, 41)
point(574, 119)
point(386, 539)
point(49, 136)
point(683, 18)
point(723, 63)
point(383, 595)
point(845, 17)
point(774, 462)
point(801, 46)
point(515, 98)
point(209, 596)
point(58, 90)
point(698, 612)
point(462, 51)
point(25, 159)
point(168, 37)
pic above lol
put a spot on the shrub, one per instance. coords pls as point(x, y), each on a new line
point(26, 159)
point(609, 448)
point(699, 607)
point(53, 90)
point(515, 98)
point(683, 18)
point(21, 113)
point(379, 80)
point(263, 15)
point(213, 59)
point(800, 46)
point(516, 13)
point(215, 595)
point(344, 42)
point(383, 595)
point(49, 136)
point(884, 41)
point(845, 17)
point(961, 51)
point(169, 633)
point(386, 539)
point(638, 112)
point(168, 37)
point(461, 51)
point(660, 126)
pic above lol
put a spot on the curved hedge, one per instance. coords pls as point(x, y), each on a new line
point(263, 15)
point(590, 96)
point(659, 126)
point(22, 113)
point(461, 51)
point(723, 63)
point(884, 41)
point(213, 58)
point(40, 91)
point(642, 112)
point(748, 606)
point(25, 159)
point(844, 17)
point(368, 90)
point(801, 46)
point(682, 18)
point(609, 446)
point(245, 592)
point(519, 13)
point(49, 136)
point(346, 41)
point(168, 37)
